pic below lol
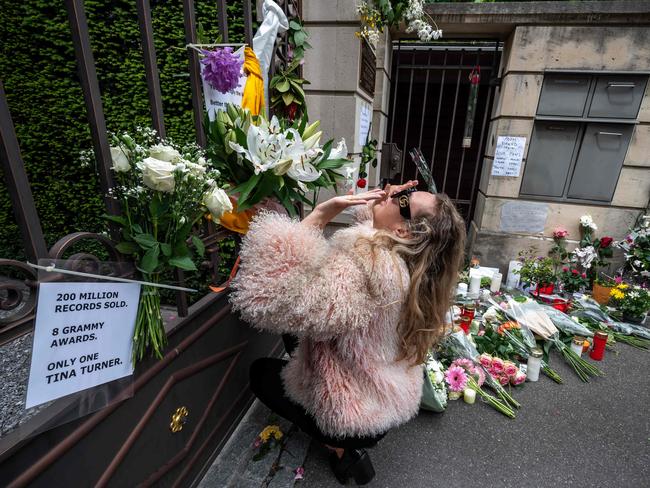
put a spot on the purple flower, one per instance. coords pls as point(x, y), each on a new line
point(221, 69)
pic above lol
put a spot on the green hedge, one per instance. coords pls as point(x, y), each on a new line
point(39, 72)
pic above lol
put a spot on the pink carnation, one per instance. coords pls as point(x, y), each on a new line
point(485, 360)
point(504, 380)
point(456, 378)
point(497, 365)
point(519, 378)
point(510, 368)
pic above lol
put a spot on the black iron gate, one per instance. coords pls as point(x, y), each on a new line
point(429, 110)
point(204, 371)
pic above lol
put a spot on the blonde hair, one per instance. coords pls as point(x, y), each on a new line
point(433, 253)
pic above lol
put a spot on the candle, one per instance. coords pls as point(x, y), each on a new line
point(576, 345)
point(513, 274)
point(495, 285)
point(534, 364)
point(469, 396)
point(461, 289)
point(598, 347)
point(474, 285)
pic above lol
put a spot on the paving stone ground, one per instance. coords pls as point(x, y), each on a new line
point(575, 434)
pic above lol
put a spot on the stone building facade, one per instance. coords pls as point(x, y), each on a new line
point(595, 42)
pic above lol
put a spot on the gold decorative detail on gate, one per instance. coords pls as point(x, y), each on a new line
point(178, 419)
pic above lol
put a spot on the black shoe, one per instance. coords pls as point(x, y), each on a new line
point(355, 463)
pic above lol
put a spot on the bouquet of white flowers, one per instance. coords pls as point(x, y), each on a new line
point(273, 158)
point(163, 190)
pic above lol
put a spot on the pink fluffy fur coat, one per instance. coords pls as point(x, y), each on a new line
point(344, 302)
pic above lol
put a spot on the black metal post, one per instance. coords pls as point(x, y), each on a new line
point(92, 98)
point(195, 77)
point(151, 66)
point(18, 185)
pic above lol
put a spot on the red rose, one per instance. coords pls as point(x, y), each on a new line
point(574, 271)
point(565, 269)
point(584, 275)
point(361, 183)
point(606, 242)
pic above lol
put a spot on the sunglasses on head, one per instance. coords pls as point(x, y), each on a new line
point(403, 202)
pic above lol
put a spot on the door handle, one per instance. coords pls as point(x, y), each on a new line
point(568, 82)
point(620, 85)
point(556, 127)
point(615, 134)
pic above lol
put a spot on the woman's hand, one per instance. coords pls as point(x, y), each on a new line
point(326, 211)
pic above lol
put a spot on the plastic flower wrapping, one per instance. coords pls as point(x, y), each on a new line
point(221, 68)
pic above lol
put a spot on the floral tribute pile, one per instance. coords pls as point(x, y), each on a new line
point(517, 333)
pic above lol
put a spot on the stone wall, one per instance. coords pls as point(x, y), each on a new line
point(528, 52)
point(332, 66)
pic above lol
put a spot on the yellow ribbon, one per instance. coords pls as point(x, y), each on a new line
point(253, 98)
point(237, 221)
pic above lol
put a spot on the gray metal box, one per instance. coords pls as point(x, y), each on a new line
point(564, 95)
point(549, 158)
point(617, 96)
point(600, 160)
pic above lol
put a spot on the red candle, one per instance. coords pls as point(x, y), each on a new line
point(598, 347)
point(465, 323)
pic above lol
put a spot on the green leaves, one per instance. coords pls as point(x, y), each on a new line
point(146, 241)
point(149, 261)
point(127, 248)
point(198, 245)
point(183, 262)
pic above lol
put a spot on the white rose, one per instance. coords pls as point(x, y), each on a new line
point(164, 153)
point(120, 160)
point(218, 203)
point(158, 175)
point(438, 377)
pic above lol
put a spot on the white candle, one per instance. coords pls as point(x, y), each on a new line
point(461, 289)
point(495, 285)
point(534, 364)
point(469, 396)
point(474, 285)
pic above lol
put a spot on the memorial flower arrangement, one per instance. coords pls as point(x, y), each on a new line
point(436, 373)
point(536, 270)
point(270, 437)
point(636, 249)
point(572, 279)
point(273, 158)
point(164, 190)
point(222, 68)
point(592, 253)
point(632, 301)
point(377, 14)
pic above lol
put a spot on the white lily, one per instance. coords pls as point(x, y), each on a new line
point(301, 168)
point(265, 147)
point(313, 141)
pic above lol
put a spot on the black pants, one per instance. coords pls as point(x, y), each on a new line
point(266, 383)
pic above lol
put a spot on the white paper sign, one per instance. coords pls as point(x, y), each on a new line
point(365, 118)
point(215, 100)
point(82, 337)
point(508, 156)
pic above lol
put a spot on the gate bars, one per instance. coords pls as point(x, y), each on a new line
point(447, 64)
point(14, 299)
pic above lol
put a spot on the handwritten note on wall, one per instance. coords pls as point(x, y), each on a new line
point(508, 156)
